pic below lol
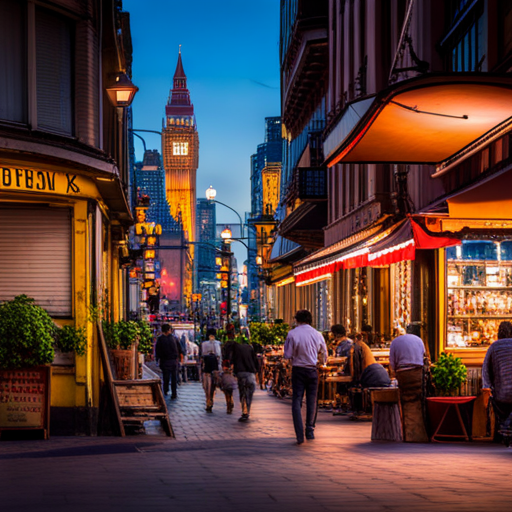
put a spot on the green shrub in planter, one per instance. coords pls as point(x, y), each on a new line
point(145, 337)
point(71, 339)
point(448, 374)
point(121, 335)
point(26, 334)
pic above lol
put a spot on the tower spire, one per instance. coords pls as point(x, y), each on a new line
point(180, 95)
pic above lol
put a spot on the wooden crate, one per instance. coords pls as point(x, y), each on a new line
point(142, 400)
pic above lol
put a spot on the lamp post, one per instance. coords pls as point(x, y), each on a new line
point(211, 194)
point(226, 252)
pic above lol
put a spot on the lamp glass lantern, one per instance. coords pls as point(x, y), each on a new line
point(122, 91)
point(226, 234)
point(211, 193)
point(259, 260)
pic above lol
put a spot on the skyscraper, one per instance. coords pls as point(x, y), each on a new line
point(205, 252)
point(150, 180)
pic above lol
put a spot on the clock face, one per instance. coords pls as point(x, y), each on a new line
point(180, 148)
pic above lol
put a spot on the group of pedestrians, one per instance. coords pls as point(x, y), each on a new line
point(236, 367)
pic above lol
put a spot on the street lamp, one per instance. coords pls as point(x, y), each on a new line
point(211, 193)
point(122, 91)
point(226, 234)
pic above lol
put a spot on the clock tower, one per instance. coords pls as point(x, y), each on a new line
point(180, 148)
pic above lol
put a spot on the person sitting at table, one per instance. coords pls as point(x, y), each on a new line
point(497, 375)
point(406, 359)
point(341, 343)
point(365, 368)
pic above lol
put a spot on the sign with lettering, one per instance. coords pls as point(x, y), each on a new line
point(23, 397)
point(34, 180)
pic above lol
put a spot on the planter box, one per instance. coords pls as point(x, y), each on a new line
point(123, 363)
point(25, 399)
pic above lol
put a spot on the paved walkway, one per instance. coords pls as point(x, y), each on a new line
point(218, 464)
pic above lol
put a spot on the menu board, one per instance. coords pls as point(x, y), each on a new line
point(23, 395)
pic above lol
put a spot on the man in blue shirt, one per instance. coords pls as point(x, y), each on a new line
point(303, 347)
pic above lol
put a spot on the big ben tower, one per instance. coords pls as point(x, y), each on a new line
point(180, 148)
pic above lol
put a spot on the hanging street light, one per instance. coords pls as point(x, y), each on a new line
point(122, 91)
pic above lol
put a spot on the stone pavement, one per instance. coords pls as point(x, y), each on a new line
point(218, 464)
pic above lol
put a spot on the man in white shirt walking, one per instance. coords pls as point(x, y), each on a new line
point(303, 347)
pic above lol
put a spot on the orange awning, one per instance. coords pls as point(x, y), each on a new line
point(426, 120)
point(489, 200)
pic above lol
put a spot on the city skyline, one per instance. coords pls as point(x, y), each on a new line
point(233, 86)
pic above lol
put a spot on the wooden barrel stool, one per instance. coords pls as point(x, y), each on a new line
point(386, 423)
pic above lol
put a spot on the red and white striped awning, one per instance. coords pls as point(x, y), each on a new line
point(398, 243)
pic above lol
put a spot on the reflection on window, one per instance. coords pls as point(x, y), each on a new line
point(180, 148)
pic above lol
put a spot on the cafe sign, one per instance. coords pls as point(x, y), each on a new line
point(33, 180)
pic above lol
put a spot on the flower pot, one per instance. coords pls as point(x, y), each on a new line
point(123, 363)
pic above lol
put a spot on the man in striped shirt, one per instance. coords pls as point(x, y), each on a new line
point(497, 374)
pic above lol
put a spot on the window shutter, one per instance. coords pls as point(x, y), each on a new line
point(13, 62)
point(35, 257)
point(54, 72)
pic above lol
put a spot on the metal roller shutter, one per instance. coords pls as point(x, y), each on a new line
point(35, 257)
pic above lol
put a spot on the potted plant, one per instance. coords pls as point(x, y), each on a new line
point(145, 347)
point(26, 334)
point(448, 375)
point(69, 341)
point(26, 350)
point(122, 338)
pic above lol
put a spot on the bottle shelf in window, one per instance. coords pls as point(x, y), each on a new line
point(478, 292)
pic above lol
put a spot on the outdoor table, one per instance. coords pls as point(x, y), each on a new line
point(446, 418)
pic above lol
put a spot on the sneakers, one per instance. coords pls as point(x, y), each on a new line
point(310, 435)
point(244, 417)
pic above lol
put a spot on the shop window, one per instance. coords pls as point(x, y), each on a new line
point(479, 292)
point(53, 72)
point(401, 274)
point(13, 50)
point(51, 67)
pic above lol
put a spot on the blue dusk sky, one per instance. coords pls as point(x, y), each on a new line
point(230, 53)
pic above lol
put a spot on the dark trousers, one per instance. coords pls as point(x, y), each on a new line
point(503, 413)
point(170, 373)
point(304, 380)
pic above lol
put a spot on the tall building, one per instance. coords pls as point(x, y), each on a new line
point(149, 180)
point(205, 251)
point(265, 186)
point(180, 147)
point(397, 168)
point(63, 209)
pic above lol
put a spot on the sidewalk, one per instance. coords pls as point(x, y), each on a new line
point(219, 464)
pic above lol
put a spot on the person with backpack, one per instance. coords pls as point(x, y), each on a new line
point(168, 353)
point(211, 355)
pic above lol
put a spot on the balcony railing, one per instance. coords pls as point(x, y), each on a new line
point(312, 183)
